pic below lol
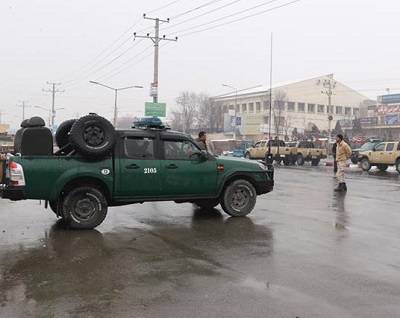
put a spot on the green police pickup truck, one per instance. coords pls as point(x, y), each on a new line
point(142, 164)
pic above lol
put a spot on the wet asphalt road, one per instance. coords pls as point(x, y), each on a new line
point(304, 252)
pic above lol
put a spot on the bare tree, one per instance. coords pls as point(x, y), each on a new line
point(280, 99)
point(286, 125)
point(186, 112)
point(208, 113)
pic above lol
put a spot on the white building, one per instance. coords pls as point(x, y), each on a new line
point(301, 105)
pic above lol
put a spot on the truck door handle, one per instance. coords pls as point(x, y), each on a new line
point(172, 166)
point(132, 166)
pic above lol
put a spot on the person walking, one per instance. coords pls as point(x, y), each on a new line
point(343, 154)
point(202, 140)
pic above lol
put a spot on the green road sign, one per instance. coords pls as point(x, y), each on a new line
point(155, 109)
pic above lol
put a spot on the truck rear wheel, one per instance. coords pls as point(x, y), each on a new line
point(300, 160)
point(239, 198)
point(398, 165)
point(383, 168)
point(92, 136)
point(84, 208)
point(315, 162)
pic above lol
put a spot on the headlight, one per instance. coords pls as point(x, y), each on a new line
point(262, 166)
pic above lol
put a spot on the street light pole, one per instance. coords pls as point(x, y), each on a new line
point(116, 90)
point(51, 111)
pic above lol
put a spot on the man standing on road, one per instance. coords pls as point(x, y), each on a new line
point(202, 140)
point(343, 154)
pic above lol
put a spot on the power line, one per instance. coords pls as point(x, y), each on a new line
point(195, 9)
point(131, 65)
point(164, 6)
point(203, 14)
point(123, 65)
point(227, 16)
point(241, 19)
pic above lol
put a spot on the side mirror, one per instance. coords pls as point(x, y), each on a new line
point(199, 156)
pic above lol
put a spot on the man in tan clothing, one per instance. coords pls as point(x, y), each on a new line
point(343, 154)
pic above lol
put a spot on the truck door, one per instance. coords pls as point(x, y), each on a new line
point(183, 174)
point(139, 169)
point(378, 154)
point(389, 156)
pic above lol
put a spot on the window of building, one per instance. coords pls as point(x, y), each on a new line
point(311, 108)
point(356, 111)
point(279, 104)
point(139, 148)
point(266, 106)
point(330, 109)
point(290, 107)
point(321, 108)
point(244, 108)
point(238, 108)
point(339, 110)
point(231, 106)
point(266, 119)
point(179, 149)
point(251, 107)
point(258, 107)
point(347, 111)
point(301, 107)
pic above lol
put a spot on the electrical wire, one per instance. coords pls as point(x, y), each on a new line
point(195, 9)
point(241, 19)
point(226, 17)
point(202, 15)
point(131, 65)
point(164, 6)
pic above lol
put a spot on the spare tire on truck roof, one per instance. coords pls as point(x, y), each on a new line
point(92, 136)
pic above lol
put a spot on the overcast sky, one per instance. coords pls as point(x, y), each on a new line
point(60, 41)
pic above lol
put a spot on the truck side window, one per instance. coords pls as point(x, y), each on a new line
point(390, 146)
point(139, 148)
point(380, 147)
point(179, 149)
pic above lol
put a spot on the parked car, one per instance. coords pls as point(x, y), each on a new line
point(383, 155)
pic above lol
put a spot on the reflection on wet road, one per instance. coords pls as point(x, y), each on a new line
point(304, 252)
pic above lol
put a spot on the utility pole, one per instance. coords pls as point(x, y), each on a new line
point(23, 105)
point(53, 90)
point(156, 40)
point(329, 85)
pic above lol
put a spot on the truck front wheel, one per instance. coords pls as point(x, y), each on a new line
point(300, 160)
point(239, 198)
point(365, 164)
point(84, 208)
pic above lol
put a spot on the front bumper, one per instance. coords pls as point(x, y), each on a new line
point(266, 186)
point(12, 193)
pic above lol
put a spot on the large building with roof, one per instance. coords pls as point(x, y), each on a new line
point(296, 106)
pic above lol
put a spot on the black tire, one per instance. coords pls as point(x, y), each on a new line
point(92, 136)
point(84, 208)
point(239, 198)
point(62, 133)
point(365, 164)
point(300, 160)
point(315, 162)
point(382, 168)
point(207, 204)
point(287, 161)
point(398, 165)
point(354, 159)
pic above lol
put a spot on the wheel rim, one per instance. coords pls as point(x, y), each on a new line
point(365, 165)
point(93, 135)
point(85, 208)
point(240, 197)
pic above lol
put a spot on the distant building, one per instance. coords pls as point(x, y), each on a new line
point(4, 128)
point(300, 106)
point(382, 118)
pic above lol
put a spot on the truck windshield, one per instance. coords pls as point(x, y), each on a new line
point(367, 146)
